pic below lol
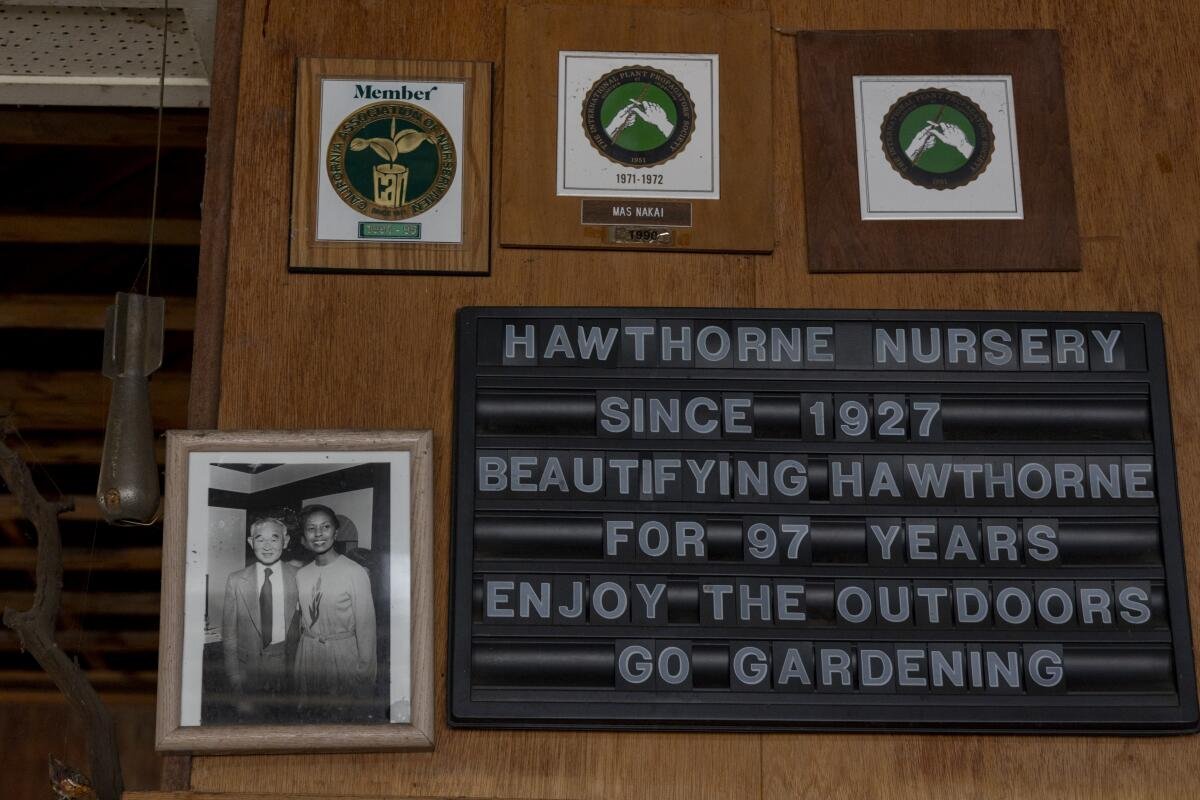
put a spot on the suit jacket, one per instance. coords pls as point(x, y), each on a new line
point(241, 624)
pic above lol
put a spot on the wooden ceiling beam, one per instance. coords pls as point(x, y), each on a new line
point(125, 559)
point(106, 678)
point(86, 509)
point(67, 447)
point(12, 532)
point(102, 128)
point(80, 311)
point(78, 400)
point(112, 697)
point(53, 229)
point(92, 641)
point(141, 604)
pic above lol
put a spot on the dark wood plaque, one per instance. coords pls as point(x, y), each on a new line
point(841, 240)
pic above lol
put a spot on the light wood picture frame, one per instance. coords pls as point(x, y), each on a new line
point(345, 519)
point(425, 209)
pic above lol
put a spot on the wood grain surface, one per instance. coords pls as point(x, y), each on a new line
point(840, 240)
point(188, 795)
point(474, 171)
point(532, 215)
point(313, 351)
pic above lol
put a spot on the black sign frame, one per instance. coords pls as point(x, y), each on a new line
point(701, 709)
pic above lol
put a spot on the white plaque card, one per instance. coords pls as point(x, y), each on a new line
point(638, 125)
point(937, 147)
point(397, 176)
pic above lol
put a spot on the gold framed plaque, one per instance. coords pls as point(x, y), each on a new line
point(391, 166)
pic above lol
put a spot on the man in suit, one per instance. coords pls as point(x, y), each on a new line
point(260, 621)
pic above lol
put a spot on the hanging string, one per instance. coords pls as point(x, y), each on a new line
point(162, 90)
point(148, 264)
point(37, 461)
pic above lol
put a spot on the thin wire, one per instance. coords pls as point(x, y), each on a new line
point(37, 462)
point(87, 581)
point(162, 90)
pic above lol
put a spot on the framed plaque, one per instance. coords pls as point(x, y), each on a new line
point(617, 133)
point(936, 151)
point(391, 166)
point(784, 520)
point(297, 592)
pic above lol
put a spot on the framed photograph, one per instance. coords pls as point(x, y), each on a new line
point(297, 592)
point(936, 151)
point(391, 166)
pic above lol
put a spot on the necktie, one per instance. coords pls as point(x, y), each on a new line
point(265, 608)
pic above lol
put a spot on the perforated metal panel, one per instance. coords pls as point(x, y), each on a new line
point(104, 54)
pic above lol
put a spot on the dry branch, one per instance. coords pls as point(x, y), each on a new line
point(35, 627)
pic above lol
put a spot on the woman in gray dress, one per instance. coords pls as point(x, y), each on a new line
point(336, 654)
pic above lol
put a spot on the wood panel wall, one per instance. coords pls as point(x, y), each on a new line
point(43, 725)
point(376, 352)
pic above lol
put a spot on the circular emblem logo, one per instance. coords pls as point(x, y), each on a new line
point(937, 138)
point(638, 116)
point(391, 160)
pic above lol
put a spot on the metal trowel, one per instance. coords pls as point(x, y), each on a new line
point(128, 491)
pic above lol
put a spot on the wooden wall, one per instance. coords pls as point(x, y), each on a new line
point(1132, 85)
point(37, 727)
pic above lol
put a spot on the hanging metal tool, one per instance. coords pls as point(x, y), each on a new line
point(129, 491)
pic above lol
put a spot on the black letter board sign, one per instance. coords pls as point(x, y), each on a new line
point(771, 519)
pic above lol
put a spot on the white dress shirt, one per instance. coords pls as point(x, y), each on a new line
point(278, 634)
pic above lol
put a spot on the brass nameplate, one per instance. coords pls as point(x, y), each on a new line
point(651, 236)
point(636, 212)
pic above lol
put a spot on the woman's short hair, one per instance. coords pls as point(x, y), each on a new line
point(319, 508)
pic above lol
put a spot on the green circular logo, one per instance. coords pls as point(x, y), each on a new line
point(638, 116)
point(391, 160)
point(937, 139)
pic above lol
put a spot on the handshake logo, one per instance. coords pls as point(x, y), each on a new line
point(937, 139)
point(638, 116)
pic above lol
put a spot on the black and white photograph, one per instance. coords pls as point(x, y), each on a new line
point(297, 602)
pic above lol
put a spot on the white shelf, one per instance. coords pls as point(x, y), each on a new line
point(104, 53)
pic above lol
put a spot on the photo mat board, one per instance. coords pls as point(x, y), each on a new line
point(618, 135)
point(873, 101)
point(774, 519)
point(391, 166)
point(300, 618)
